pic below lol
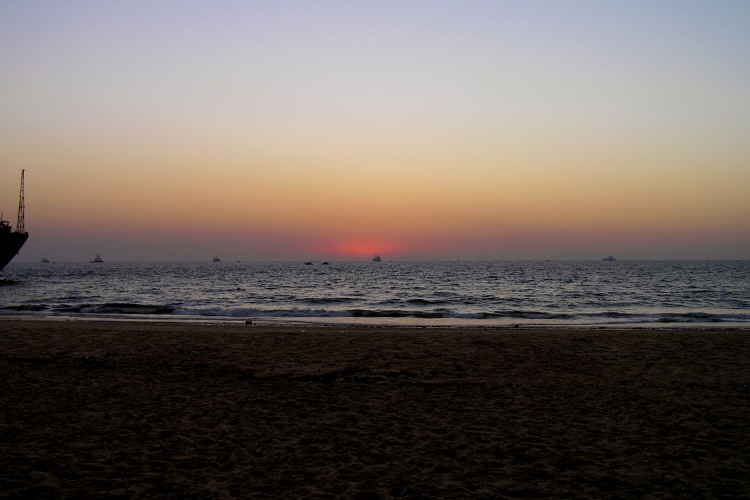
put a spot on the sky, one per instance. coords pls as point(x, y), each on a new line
point(418, 130)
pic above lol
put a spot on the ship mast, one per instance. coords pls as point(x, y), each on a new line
point(21, 207)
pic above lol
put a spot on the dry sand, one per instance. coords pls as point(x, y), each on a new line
point(138, 410)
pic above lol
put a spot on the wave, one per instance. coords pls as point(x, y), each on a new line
point(528, 317)
point(329, 300)
point(126, 308)
point(27, 308)
point(339, 308)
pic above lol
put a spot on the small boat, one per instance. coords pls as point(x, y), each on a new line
point(45, 260)
point(308, 263)
point(216, 259)
point(324, 264)
point(376, 258)
point(98, 259)
point(610, 258)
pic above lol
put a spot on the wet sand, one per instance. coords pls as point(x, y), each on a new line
point(139, 410)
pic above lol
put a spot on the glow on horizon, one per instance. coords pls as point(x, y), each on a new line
point(479, 130)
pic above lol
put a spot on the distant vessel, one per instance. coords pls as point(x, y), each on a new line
point(610, 258)
point(376, 258)
point(216, 259)
point(11, 241)
point(98, 259)
point(308, 263)
point(45, 260)
point(324, 264)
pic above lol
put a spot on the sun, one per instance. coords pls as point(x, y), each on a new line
point(363, 249)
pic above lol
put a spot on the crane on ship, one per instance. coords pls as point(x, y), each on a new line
point(20, 228)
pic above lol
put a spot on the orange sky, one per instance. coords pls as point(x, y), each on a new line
point(495, 131)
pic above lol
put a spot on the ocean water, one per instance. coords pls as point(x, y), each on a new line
point(592, 293)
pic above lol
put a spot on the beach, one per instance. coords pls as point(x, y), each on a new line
point(120, 409)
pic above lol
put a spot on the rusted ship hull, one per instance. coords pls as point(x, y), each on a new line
point(10, 245)
point(12, 241)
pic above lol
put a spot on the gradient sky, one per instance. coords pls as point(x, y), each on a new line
point(180, 130)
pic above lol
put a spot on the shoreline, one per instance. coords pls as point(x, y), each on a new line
point(141, 409)
point(325, 323)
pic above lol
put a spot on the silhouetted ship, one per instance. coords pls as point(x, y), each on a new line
point(376, 258)
point(11, 240)
point(610, 258)
point(216, 259)
point(98, 259)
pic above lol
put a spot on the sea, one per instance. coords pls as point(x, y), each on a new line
point(626, 294)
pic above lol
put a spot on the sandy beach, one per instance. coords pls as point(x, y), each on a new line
point(146, 410)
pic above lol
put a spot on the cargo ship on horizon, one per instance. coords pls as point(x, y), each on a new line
point(12, 240)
